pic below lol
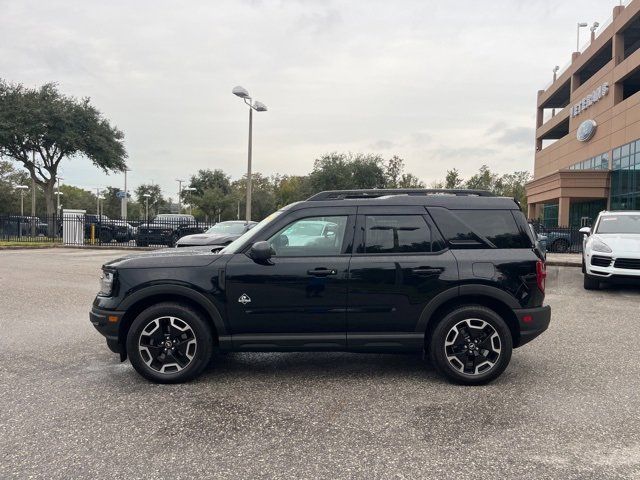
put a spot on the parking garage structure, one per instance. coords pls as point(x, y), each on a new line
point(587, 145)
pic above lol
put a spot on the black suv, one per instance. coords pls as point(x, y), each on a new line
point(167, 229)
point(454, 273)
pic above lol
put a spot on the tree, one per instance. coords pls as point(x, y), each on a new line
point(483, 180)
point(78, 198)
point(513, 185)
point(453, 179)
point(156, 200)
point(111, 205)
point(263, 199)
point(9, 195)
point(339, 171)
point(39, 127)
point(289, 189)
point(212, 195)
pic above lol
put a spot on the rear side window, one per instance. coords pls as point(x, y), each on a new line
point(397, 234)
point(480, 228)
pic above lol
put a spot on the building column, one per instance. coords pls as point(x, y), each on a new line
point(563, 211)
point(618, 48)
point(531, 211)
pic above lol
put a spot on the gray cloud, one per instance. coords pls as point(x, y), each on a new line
point(336, 75)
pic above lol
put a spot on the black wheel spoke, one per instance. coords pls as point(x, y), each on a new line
point(472, 351)
point(167, 344)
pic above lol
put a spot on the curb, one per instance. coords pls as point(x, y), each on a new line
point(561, 263)
point(78, 247)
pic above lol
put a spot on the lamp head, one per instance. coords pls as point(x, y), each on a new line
point(240, 92)
point(259, 106)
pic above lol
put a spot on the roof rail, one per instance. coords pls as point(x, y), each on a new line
point(382, 192)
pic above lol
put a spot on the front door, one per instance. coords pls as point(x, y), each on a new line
point(298, 299)
point(400, 264)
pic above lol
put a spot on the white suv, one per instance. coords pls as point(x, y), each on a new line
point(611, 250)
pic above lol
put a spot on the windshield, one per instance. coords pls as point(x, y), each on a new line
point(237, 244)
point(619, 224)
point(232, 228)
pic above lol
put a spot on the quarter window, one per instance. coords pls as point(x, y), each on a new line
point(313, 236)
point(397, 234)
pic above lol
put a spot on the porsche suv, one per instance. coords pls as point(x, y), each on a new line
point(611, 250)
point(452, 273)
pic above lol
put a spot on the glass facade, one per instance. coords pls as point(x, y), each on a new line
point(625, 177)
point(550, 215)
point(582, 214)
point(599, 162)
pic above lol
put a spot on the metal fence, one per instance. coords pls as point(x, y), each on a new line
point(560, 239)
point(85, 229)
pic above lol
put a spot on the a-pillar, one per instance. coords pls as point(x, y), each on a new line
point(563, 211)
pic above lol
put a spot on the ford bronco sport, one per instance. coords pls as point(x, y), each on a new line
point(453, 273)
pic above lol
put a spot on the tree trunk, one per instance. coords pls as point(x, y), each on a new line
point(51, 209)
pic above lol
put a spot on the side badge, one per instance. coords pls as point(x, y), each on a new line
point(244, 299)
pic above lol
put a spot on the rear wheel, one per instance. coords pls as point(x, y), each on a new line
point(591, 283)
point(560, 246)
point(471, 345)
point(105, 236)
point(169, 343)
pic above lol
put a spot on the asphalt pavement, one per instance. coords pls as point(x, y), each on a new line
point(567, 406)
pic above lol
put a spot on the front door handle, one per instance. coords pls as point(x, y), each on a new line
point(426, 271)
point(322, 272)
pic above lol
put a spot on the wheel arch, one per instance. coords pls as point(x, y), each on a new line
point(143, 299)
point(490, 297)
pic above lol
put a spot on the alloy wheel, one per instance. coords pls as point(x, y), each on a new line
point(167, 344)
point(472, 346)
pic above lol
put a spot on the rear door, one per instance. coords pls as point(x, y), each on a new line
point(400, 263)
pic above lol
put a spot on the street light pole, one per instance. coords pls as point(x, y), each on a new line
point(22, 188)
point(179, 194)
point(580, 25)
point(258, 107)
point(58, 196)
point(146, 201)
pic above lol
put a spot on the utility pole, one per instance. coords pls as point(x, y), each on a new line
point(180, 194)
point(125, 199)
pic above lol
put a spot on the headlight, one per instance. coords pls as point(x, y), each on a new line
point(106, 283)
point(599, 246)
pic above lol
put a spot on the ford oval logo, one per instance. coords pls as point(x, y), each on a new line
point(586, 130)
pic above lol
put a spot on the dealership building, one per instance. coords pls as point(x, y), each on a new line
point(587, 155)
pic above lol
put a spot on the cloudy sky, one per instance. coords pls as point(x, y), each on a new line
point(441, 83)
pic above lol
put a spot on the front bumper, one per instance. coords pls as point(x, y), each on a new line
point(611, 273)
point(532, 322)
point(107, 322)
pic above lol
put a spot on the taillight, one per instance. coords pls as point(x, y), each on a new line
point(541, 274)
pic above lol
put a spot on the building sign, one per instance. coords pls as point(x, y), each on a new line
point(590, 99)
point(586, 130)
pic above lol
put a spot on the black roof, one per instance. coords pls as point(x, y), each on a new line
point(453, 199)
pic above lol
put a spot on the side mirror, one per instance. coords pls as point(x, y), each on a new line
point(261, 251)
point(586, 231)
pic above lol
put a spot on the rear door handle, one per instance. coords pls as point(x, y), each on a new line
point(322, 272)
point(427, 271)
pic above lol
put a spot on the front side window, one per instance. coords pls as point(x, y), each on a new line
point(312, 236)
point(396, 234)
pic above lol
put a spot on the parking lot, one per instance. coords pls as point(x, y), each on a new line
point(567, 406)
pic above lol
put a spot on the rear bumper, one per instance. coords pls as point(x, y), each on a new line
point(532, 322)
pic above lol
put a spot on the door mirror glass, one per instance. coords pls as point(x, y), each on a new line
point(585, 230)
point(261, 251)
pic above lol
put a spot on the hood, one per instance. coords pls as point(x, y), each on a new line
point(166, 258)
point(621, 243)
point(207, 239)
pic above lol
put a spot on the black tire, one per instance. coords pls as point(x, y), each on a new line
point(560, 246)
point(141, 243)
point(591, 283)
point(173, 239)
point(105, 236)
point(188, 361)
point(488, 367)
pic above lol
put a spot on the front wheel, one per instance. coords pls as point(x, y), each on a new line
point(169, 343)
point(471, 345)
point(591, 283)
